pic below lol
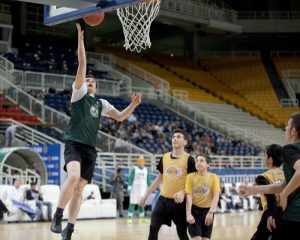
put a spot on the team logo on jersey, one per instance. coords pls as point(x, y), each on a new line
point(94, 111)
point(200, 191)
point(141, 175)
point(173, 171)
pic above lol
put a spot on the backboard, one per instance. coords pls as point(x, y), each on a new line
point(56, 11)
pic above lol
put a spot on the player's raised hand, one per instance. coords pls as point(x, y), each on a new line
point(136, 99)
point(80, 32)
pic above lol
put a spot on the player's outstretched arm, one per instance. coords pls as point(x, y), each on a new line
point(81, 70)
point(152, 188)
point(122, 115)
point(246, 190)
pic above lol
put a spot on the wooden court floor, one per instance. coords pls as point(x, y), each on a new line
point(233, 226)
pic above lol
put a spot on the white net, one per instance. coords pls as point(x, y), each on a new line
point(136, 21)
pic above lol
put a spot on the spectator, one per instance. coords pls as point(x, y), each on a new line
point(132, 118)
point(34, 194)
point(33, 168)
point(235, 201)
point(117, 181)
point(15, 198)
point(90, 196)
point(3, 209)
point(139, 181)
point(10, 134)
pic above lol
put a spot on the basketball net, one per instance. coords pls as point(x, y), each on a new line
point(136, 21)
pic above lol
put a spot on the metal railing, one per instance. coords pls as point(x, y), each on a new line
point(106, 163)
point(37, 80)
point(220, 54)
point(285, 53)
point(28, 135)
point(218, 162)
point(238, 178)
point(197, 11)
point(27, 176)
point(290, 80)
point(289, 103)
point(291, 74)
point(261, 15)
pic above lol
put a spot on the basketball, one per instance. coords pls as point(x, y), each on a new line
point(94, 20)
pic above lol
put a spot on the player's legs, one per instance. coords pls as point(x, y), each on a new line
point(120, 199)
point(141, 211)
point(75, 202)
point(67, 190)
point(199, 230)
point(159, 217)
point(88, 156)
point(179, 217)
point(262, 232)
point(131, 208)
point(74, 208)
point(286, 230)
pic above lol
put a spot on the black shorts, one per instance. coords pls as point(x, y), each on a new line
point(166, 211)
point(262, 231)
point(286, 230)
point(199, 228)
point(85, 154)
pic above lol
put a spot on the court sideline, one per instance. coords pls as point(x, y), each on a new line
point(233, 226)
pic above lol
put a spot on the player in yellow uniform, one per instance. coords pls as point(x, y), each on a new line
point(203, 191)
point(173, 169)
point(270, 202)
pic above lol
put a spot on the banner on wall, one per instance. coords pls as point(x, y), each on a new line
point(50, 153)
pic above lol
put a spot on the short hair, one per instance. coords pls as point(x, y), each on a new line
point(16, 179)
point(207, 157)
point(32, 184)
point(295, 117)
point(275, 152)
point(178, 130)
point(90, 76)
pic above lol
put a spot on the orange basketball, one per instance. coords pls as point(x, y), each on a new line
point(94, 20)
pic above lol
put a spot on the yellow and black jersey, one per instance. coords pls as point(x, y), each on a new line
point(174, 171)
point(274, 175)
point(202, 188)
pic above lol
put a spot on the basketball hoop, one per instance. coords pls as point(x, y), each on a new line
point(136, 20)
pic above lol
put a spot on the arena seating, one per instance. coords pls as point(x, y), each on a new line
point(286, 63)
point(248, 77)
point(149, 116)
point(45, 58)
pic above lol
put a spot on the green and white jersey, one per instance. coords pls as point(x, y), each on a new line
point(85, 116)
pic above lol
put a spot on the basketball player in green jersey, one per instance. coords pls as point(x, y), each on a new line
point(80, 135)
point(289, 225)
point(173, 169)
point(270, 202)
